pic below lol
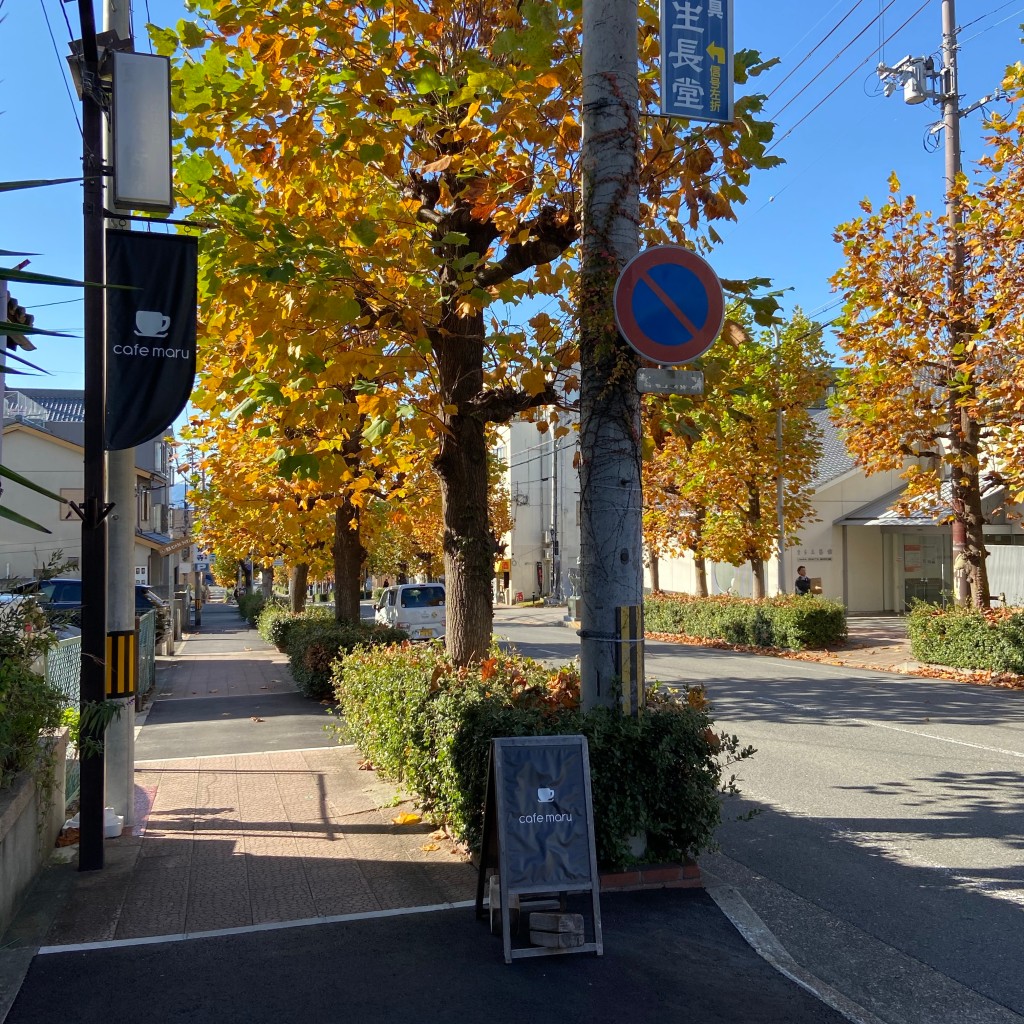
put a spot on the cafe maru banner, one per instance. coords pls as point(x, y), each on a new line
point(151, 333)
point(696, 59)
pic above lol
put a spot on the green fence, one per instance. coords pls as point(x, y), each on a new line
point(147, 655)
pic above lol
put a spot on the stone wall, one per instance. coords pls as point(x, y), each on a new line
point(30, 820)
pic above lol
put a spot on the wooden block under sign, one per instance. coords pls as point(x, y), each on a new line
point(556, 940)
point(556, 923)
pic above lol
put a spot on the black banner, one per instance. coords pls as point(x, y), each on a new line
point(151, 333)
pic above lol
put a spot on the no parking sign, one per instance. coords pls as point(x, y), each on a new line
point(669, 304)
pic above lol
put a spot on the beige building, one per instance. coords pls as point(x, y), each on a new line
point(42, 440)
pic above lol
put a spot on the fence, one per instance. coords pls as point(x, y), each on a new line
point(63, 664)
point(146, 633)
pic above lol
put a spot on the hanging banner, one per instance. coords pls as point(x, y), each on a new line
point(151, 333)
point(696, 59)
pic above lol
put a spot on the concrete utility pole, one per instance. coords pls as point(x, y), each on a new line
point(119, 747)
point(916, 74)
point(611, 565)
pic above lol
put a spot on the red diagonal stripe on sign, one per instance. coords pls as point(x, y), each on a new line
point(669, 303)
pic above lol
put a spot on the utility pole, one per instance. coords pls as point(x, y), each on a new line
point(93, 509)
point(780, 497)
point(916, 74)
point(556, 558)
point(611, 564)
point(119, 747)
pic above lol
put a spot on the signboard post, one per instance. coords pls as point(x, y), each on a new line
point(539, 830)
point(696, 60)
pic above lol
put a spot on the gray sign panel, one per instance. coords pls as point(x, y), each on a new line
point(669, 382)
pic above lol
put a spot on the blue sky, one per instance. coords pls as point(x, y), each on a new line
point(840, 137)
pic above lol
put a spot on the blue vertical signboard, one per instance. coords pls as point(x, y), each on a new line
point(696, 59)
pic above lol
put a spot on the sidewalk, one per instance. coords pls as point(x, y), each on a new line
point(230, 848)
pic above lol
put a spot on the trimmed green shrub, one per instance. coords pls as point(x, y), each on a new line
point(967, 637)
point(426, 724)
point(250, 604)
point(313, 643)
point(790, 622)
point(275, 620)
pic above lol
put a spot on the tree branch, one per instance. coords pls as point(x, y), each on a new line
point(551, 233)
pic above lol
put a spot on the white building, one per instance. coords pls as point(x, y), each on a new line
point(542, 550)
point(864, 553)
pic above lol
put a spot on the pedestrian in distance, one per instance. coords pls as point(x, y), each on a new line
point(803, 581)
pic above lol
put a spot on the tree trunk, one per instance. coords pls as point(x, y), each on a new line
point(757, 567)
point(970, 575)
point(267, 582)
point(298, 582)
point(700, 565)
point(349, 556)
point(753, 555)
point(655, 574)
point(461, 467)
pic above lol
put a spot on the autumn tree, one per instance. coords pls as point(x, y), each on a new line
point(400, 168)
point(934, 346)
point(716, 460)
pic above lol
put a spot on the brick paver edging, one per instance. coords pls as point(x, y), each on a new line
point(653, 876)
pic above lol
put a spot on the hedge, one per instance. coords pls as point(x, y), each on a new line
point(274, 621)
point(790, 622)
point(313, 642)
point(424, 723)
point(250, 604)
point(967, 637)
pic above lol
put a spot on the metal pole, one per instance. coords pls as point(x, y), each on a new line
point(94, 529)
point(611, 562)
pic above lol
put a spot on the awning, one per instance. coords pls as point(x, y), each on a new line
point(882, 511)
point(161, 542)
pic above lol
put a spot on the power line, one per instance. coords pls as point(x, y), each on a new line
point(63, 68)
point(1009, 17)
point(1001, 7)
point(795, 97)
point(817, 45)
point(826, 98)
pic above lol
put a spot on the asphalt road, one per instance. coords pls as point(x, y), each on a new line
point(887, 848)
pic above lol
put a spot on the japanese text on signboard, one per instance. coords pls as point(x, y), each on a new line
point(696, 59)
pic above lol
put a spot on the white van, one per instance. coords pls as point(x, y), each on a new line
point(417, 608)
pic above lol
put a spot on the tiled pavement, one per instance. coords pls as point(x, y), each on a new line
point(236, 840)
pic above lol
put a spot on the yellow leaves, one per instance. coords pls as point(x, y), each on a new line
point(534, 380)
point(407, 819)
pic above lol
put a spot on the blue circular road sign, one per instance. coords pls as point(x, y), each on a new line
point(669, 304)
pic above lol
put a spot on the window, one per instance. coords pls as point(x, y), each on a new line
point(144, 508)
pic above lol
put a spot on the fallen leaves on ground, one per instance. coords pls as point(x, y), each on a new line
point(255, 718)
point(366, 765)
point(430, 847)
point(407, 819)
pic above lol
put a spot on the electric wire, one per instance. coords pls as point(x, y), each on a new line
point(1001, 7)
point(827, 97)
point(797, 95)
point(815, 48)
point(1009, 17)
point(56, 52)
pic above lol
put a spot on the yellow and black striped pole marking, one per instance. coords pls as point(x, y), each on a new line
point(121, 659)
point(630, 649)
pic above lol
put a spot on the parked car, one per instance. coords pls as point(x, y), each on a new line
point(61, 599)
point(416, 608)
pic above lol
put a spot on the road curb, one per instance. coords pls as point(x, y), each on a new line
point(767, 946)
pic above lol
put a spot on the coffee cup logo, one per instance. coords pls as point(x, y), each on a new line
point(545, 796)
point(151, 324)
